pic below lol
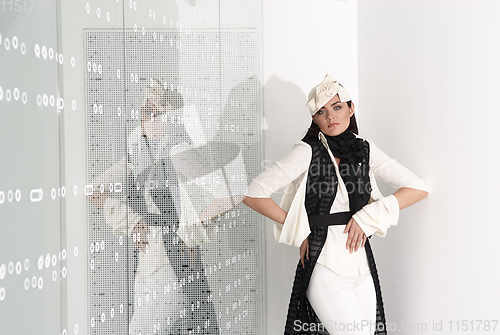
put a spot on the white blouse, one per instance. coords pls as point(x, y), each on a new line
point(122, 218)
point(375, 218)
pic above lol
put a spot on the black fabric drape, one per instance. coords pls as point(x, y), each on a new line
point(321, 190)
point(200, 316)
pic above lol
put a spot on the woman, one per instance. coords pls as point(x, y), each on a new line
point(157, 214)
point(330, 207)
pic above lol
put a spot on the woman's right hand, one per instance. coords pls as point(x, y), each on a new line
point(140, 233)
point(98, 198)
point(304, 250)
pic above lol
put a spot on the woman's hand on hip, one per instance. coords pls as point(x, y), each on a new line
point(304, 250)
point(356, 236)
point(140, 233)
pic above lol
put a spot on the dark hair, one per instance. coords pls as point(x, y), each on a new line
point(313, 131)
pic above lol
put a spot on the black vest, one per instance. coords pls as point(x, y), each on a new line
point(321, 187)
point(187, 264)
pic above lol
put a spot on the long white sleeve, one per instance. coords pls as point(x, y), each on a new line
point(376, 217)
point(281, 172)
point(390, 171)
point(119, 216)
point(112, 176)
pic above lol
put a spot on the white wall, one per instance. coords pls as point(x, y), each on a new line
point(302, 41)
point(428, 81)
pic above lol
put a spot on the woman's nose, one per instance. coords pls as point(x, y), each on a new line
point(330, 115)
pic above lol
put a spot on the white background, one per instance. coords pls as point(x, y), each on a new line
point(427, 73)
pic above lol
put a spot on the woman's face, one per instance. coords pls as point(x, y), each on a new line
point(154, 122)
point(333, 118)
point(149, 110)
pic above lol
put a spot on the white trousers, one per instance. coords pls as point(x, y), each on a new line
point(156, 303)
point(345, 305)
point(158, 299)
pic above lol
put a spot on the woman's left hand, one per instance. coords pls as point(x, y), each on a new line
point(304, 251)
point(356, 236)
point(140, 232)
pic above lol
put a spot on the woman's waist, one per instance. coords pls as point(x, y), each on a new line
point(321, 221)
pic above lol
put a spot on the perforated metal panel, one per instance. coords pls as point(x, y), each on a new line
point(195, 94)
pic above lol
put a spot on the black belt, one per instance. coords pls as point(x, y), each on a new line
point(332, 219)
point(339, 218)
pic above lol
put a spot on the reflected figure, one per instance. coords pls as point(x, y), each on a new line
point(171, 292)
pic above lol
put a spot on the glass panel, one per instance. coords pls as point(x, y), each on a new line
point(77, 94)
point(31, 106)
point(91, 302)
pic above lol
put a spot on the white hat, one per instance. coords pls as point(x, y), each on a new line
point(163, 99)
point(323, 92)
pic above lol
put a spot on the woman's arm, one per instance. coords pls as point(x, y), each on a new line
point(275, 177)
point(109, 177)
point(410, 187)
point(267, 207)
point(116, 213)
point(378, 216)
point(408, 196)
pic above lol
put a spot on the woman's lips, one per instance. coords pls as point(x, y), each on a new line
point(333, 124)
